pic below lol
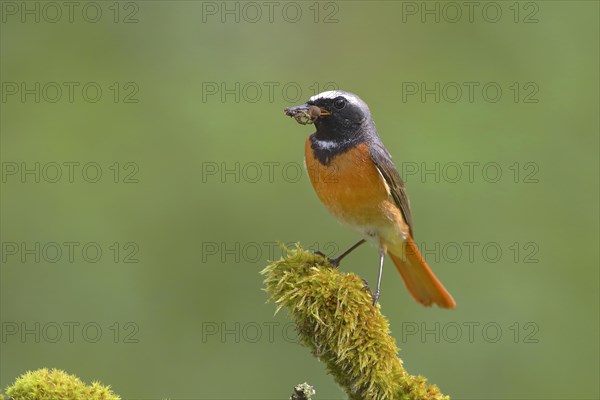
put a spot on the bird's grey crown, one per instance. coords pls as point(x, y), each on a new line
point(332, 94)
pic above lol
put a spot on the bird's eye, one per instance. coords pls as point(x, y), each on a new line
point(339, 103)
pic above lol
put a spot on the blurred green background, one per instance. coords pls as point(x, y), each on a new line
point(189, 319)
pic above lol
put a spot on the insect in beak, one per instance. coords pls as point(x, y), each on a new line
point(306, 114)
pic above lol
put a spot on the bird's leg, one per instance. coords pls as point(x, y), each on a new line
point(377, 292)
point(336, 261)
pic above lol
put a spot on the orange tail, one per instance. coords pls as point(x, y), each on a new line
point(419, 279)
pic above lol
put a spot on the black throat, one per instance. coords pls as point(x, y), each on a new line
point(325, 149)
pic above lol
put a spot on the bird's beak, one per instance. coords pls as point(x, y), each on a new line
point(306, 114)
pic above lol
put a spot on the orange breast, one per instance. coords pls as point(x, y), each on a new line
point(352, 189)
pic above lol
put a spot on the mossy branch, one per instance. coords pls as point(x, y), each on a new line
point(335, 318)
point(54, 384)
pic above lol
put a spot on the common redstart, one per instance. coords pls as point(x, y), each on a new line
point(355, 178)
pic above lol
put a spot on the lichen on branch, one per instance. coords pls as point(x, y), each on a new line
point(303, 391)
point(335, 318)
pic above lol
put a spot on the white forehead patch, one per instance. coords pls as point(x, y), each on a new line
point(332, 94)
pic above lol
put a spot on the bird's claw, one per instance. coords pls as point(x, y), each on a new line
point(375, 298)
point(320, 253)
point(366, 285)
point(375, 295)
point(335, 262)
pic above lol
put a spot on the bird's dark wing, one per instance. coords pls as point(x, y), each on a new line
point(383, 161)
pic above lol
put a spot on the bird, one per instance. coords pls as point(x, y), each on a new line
point(355, 178)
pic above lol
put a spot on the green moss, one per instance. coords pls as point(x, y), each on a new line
point(44, 384)
point(335, 318)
